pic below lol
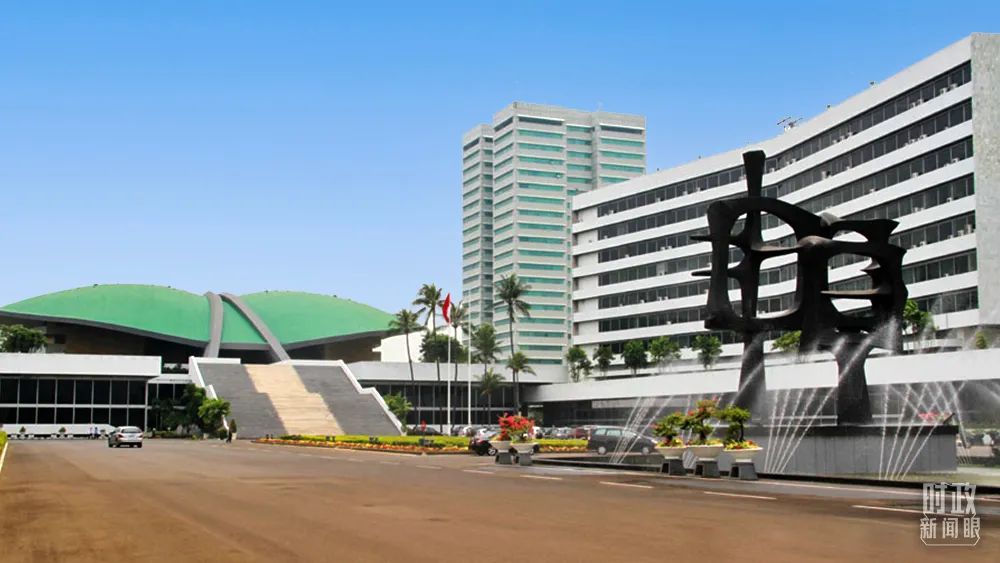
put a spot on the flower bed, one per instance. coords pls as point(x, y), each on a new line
point(411, 444)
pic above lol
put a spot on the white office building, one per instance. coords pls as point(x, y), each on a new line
point(519, 174)
point(922, 148)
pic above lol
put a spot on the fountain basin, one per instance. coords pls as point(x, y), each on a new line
point(853, 450)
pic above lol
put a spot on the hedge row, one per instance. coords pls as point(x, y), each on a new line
point(3, 439)
point(432, 441)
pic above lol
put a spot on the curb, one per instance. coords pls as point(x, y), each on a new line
point(3, 454)
point(983, 489)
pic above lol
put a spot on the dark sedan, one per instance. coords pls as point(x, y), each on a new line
point(604, 439)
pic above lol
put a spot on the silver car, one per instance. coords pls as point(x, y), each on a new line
point(125, 436)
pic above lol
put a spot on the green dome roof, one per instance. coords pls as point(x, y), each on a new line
point(293, 317)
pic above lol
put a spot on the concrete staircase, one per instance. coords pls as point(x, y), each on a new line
point(300, 410)
point(254, 413)
point(357, 413)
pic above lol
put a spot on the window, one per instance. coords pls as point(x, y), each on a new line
point(579, 128)
point(622, 168)
point(537, 147)
point(622, 142)
point(46, 391)
point(578, 154)
point(541, 240)
point(102, 392)
point(626, 155)
point(536, 160)
point(541, 187)
point(549, 267)
point(579, 167)
point(623, 129)
point(539, 173)
point(542, 200)
point(537, 213)
point(581, 142)
point(64, 392)
point(540, 134)
point(539, 226)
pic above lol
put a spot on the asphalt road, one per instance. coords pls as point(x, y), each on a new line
point(177, 501)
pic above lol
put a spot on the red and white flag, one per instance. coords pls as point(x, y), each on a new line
point(446, 309)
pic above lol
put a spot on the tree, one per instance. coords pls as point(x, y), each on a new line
point(429, 299)
point(191, 401)
point(211, 412)
point(788, 342)
point(915, 319)
point(981, 342)
point(399, 406)
point(664, 350)
point(737, 418)
point(510, 290)
point(434, 347)
point(19, 339)
point(708, 347)
point(489, 383)
point(634, 356)
point(518, 363)
point(602, 357)
point(484, 342)
point(404, 323)
point(577, 362)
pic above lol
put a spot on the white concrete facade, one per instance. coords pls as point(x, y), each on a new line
point(909, 148)
point(518, 176)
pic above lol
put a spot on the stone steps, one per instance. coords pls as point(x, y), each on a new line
point(300, 410)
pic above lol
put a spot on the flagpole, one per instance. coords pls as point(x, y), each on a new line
point(468, 370)
point(449, 386)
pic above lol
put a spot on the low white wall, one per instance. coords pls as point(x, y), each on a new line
point(367, 372)
point(918, 368)
point(79, 364)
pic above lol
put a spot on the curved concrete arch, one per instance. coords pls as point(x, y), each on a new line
point(214, 325)
point(278, 353)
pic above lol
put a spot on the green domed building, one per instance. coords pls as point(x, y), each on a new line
point(161, 321)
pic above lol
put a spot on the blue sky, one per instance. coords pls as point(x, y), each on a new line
point(242, 146)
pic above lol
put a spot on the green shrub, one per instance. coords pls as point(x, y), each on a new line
point(555, 443)
point(3, 439)
point(434, 441)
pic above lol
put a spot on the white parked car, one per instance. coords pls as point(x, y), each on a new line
point(125, 436)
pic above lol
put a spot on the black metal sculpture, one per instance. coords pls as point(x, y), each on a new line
point(850, 337)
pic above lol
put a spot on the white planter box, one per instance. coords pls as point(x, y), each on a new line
point(525, 447)
point(744, 456)
point(706, 453)
point(502, 446)
point(671, 452)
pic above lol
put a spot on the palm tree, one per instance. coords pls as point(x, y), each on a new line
point(510, 290)
point(404, 323)
point(484, 341)
point(518, 363)
point(429, 299)
point(488, 384)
